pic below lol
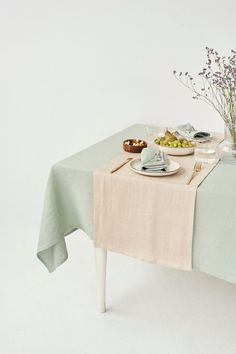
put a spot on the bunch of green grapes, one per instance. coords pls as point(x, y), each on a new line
point(178, 143)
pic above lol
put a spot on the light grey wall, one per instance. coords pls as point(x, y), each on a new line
point(73, 72)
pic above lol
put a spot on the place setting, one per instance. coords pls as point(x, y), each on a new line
point(166, 149)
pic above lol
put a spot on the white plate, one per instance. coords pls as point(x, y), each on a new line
point(176, 151)
point(172, 168)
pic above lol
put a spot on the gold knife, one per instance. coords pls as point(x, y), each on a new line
point(121, 165)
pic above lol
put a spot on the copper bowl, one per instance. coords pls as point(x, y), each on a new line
point(134, 148)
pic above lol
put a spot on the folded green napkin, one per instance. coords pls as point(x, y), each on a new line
point(189, 132)
point(153, 159)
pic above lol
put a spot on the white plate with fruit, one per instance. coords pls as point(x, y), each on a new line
point(173, 145)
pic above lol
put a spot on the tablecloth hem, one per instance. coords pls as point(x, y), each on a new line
point(41, 252)
point(49, 268)
point(219, 275)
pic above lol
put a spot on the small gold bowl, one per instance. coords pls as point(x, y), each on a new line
point(134, 145)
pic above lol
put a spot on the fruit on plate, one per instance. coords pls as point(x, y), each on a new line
point(169, 137)
point(170, 140)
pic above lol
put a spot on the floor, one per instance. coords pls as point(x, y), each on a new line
point(150, 309)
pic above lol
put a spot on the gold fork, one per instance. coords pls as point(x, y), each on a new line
point(197, 168)
point(121, 165)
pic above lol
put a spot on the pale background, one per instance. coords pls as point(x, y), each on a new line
point(71, 74)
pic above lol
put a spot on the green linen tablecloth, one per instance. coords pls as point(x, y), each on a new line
point(214, 241)
point(69, 196)
point(69, 206)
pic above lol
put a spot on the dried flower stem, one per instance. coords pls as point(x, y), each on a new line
point(218, 86)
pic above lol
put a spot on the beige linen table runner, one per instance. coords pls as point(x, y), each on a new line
point(149, 218)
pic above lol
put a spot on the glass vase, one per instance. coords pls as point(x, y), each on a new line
point(227, 148)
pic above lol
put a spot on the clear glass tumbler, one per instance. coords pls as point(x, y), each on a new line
point(153, 132)
point(206, 153)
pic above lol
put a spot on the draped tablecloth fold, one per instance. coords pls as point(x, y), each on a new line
point(68, 203)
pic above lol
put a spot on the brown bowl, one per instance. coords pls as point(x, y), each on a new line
point(134, 148)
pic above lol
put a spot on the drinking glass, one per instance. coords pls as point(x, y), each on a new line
point(206, 153)
point(152, 132)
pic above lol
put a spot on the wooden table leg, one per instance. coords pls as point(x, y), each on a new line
point(101, 262)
